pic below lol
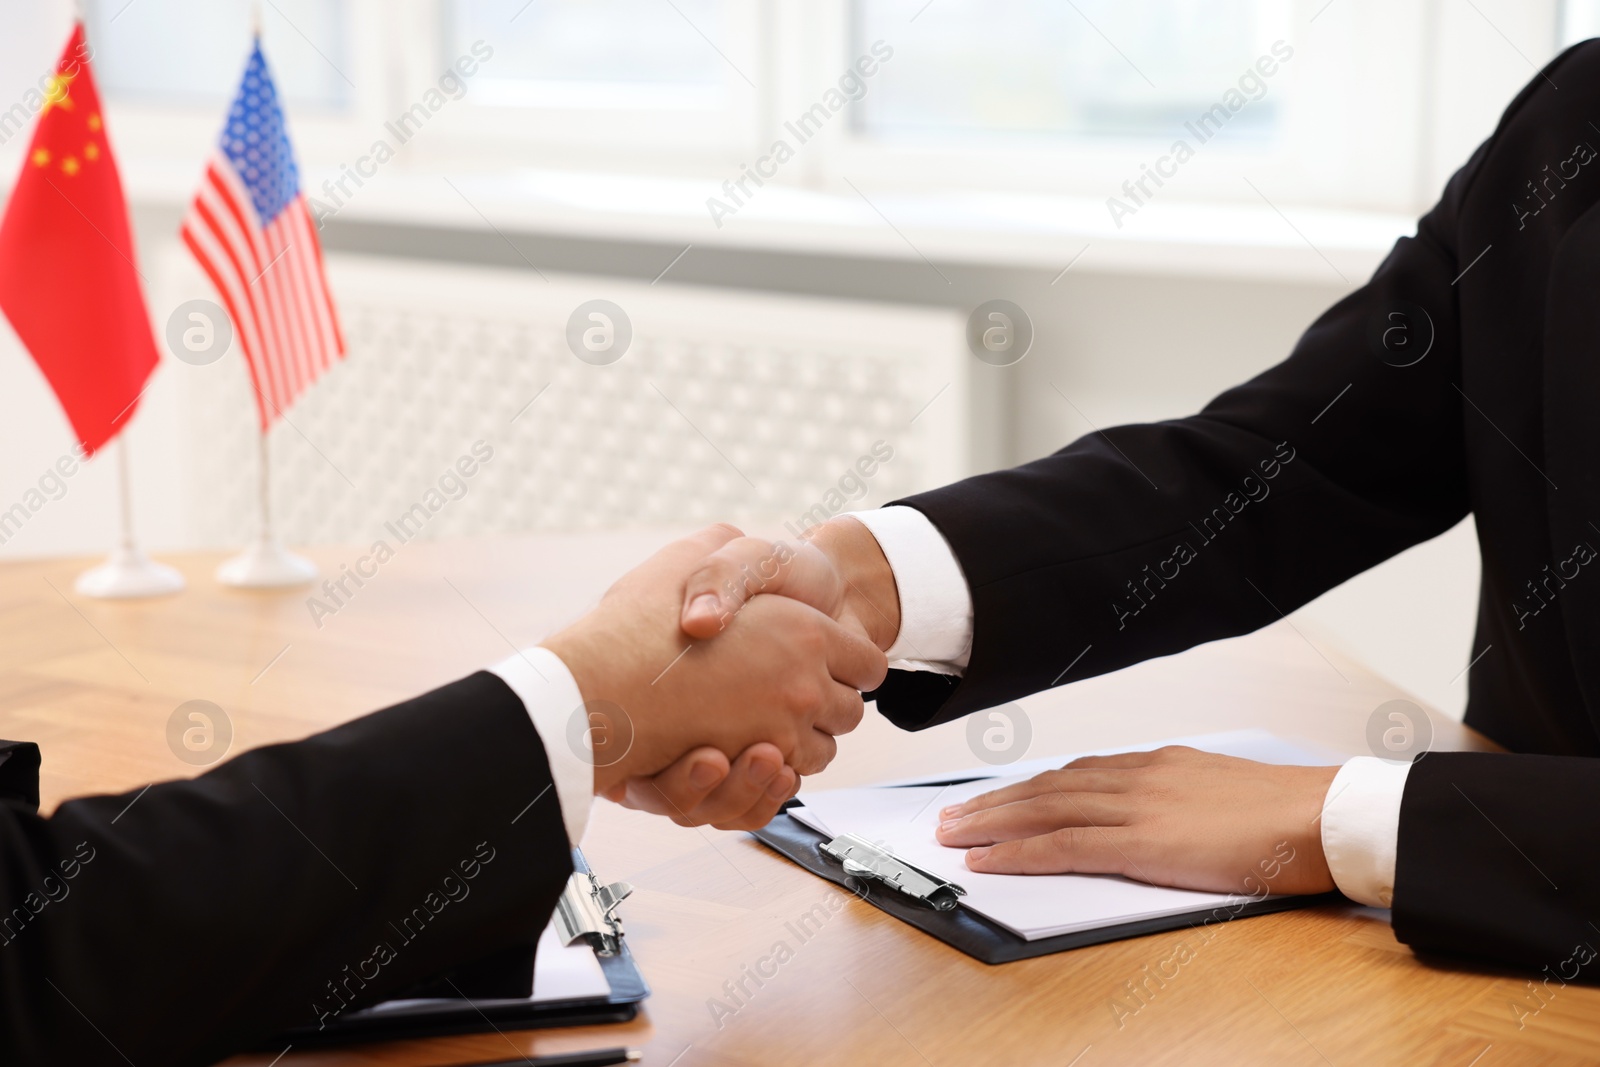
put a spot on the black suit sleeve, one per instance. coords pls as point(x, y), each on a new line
point(1145, 540)
point(1496, 859)
point(288, 885)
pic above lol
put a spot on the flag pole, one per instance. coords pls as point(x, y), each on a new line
point(125, 496)
point(266, 564)
point(128, 573)
point(266, 490)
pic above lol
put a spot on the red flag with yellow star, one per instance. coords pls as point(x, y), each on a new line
point(67, 277)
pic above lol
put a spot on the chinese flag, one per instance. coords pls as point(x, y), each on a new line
point(67, 277)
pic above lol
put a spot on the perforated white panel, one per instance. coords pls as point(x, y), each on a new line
point(724, 406)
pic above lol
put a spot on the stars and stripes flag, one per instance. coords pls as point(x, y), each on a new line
point(252, 231)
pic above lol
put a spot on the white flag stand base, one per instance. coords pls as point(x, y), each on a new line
point(129, 573)
point(266, 564)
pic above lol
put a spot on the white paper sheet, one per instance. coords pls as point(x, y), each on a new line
point(1031, 906)
point(565, 972)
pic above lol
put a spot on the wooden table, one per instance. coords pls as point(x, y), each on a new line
point(95, 682)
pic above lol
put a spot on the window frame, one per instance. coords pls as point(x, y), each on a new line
point(145, 133)
point(599, 137)
point(1436, 107)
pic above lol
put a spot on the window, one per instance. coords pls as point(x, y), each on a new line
point(1580, 20)
point(190, 53)
point(168, 69)
point(1046, 69)
point(1076, 99)
point(1368, 105)
point(595, 53)
point(615, 78)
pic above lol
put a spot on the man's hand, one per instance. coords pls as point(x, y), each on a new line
point(839, 570)
point(1175, 816)
point(702, 788)
point(782, 673)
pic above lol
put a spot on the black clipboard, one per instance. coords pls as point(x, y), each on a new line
point(980, 937)
point(441, 1017)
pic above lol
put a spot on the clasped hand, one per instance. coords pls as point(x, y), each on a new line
point(708, 693)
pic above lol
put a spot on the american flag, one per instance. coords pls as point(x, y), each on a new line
point(252, 231)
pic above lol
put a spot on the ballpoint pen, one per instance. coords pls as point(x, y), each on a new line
point(604, 1057)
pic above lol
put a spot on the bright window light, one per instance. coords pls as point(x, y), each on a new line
point(1042, 69)
point(637, 54)
point(190, 53)
point(1580, 20)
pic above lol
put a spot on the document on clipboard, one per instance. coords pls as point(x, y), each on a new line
point(879, 840)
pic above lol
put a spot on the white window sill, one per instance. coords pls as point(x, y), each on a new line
point(1248, 241)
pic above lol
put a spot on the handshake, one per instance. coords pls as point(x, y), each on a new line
point(721, 669)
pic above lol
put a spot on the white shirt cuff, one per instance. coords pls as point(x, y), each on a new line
point(550, 694)
point(1361, 828)
point(935, 603)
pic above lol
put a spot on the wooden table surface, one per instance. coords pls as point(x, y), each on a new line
point(94, 683)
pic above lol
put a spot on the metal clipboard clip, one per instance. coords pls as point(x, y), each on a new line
point(864, 859)
point(588, 910)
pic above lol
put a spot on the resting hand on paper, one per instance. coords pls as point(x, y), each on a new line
point(783, 675)
point(838, 570)
point(1174, 817)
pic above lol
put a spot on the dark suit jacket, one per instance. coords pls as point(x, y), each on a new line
point(1463, 378)
point(281, 889)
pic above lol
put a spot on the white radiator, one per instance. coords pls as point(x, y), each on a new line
point(726, 405)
